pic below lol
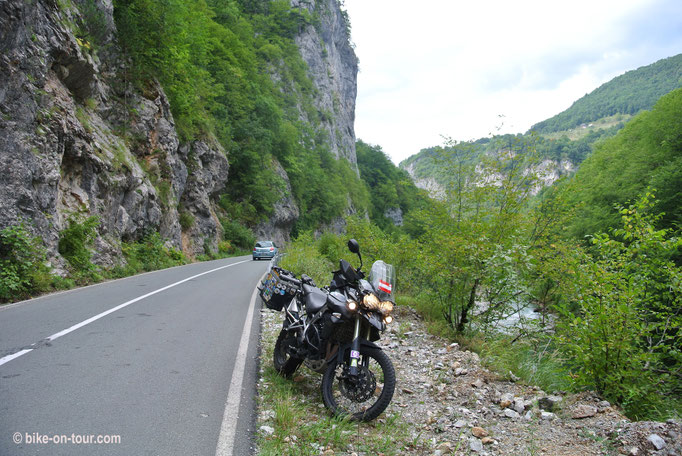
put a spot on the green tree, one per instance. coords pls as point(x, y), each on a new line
point(620, 330)
point(647, 152)
point(475, 244)
point(76, 241)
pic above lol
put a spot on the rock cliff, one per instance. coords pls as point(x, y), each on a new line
point(333, 68)
point(77, 137)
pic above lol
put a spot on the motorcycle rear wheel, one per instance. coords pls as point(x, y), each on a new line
point(361, 398)
point(285, 365)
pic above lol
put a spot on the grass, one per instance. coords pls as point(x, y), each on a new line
point(534, 360)
point(608, 446)
point(304, 427)
point(579, 132)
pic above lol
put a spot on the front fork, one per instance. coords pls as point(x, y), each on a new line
point(355, 348)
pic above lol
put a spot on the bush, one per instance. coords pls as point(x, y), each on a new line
point(225, 248)
point(149, 254)
point(303, 257)
point(621, 330)
point(186, 220)
point(237, 234)
point(331, 247)
point(75, 242)
point(22, 264)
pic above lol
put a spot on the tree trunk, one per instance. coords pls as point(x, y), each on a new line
point(463, 319)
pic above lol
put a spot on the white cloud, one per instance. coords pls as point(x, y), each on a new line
point(443, 67)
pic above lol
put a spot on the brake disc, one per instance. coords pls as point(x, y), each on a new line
point(359, 388)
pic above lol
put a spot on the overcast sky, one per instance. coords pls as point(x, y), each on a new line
point(453, 67)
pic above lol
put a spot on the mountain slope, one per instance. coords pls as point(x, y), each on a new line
point(562, 142)
point(647, 153)
point(629, 93)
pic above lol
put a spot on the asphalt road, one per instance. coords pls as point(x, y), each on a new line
point(150, 378)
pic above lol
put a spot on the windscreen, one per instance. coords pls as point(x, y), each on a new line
point(382, 278)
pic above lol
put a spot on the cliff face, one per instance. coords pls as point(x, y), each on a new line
point(78, 138)
point(75, 138)
point(333, 68)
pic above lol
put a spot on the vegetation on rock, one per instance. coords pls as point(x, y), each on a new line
point(233, 71)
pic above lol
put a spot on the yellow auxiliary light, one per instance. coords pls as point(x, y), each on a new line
point(371, 302)
point(386, 307)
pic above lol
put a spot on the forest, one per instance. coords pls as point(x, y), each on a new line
point(626, 94)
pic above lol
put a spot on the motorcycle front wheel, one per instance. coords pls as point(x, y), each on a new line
point(285, 365)
point(365, 396)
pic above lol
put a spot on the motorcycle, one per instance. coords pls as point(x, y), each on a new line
point(333, 330)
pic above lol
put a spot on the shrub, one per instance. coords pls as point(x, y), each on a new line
point(304, 257)
point(225, 248)
point(237, 234)
point(150, 254)
point(331, 247)
point(75, 242)
point(22, 263)
point(621, 332)
point(186, 220)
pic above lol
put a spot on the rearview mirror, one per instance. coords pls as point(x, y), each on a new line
point(353, 246)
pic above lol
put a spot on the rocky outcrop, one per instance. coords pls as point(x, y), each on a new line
point(333, 68)
point(546, 173)
point(76, 138)
point(395, 215)
point(208, 169)
point(430, 184)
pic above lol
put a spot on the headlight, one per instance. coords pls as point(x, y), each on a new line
point(352, 306)
point(371, 302)
point(386, 308)
point(388, 319)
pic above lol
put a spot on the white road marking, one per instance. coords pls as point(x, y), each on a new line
point(9, 358)
point(55, 336)
point(228, 428)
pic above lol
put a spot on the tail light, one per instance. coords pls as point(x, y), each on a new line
point(254, 249)
point(272, 249)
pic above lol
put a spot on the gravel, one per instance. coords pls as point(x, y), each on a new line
point(454, 406)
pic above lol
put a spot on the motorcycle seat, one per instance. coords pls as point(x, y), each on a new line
point(314, 298)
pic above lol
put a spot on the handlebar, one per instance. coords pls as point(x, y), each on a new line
point(288, 276)
point(290, 279)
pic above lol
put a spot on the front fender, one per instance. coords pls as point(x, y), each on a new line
point(344, 350)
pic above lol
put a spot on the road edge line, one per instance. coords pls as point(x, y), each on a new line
point(228, 427)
